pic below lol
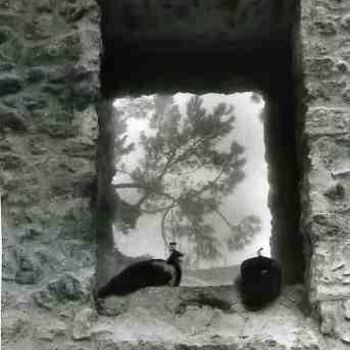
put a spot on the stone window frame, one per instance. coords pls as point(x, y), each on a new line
point(146, 67)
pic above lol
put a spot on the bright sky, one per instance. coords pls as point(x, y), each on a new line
point(249, 197)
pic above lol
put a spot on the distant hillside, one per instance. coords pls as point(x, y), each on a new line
point(218, 276)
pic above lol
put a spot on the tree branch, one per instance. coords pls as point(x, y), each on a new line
point(118, 170)
point(223, 217)
point(211, 183)
point(174, 203)
point(167, 165)
point(167, 211)
point(128, 185)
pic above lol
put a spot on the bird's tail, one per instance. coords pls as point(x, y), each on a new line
point(98, 294)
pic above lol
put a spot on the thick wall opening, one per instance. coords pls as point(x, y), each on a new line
point(146, 57)
point(191, 169)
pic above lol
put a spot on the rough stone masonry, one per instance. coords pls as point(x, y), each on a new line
point(48, 130)
point(325, 53)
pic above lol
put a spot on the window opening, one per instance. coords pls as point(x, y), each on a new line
point(191, 169)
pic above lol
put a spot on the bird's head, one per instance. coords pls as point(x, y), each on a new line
point(175, 256)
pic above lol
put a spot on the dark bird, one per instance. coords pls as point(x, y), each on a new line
point(260, 281)
point(147, 273)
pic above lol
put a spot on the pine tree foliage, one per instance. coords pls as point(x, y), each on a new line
point(185, 172)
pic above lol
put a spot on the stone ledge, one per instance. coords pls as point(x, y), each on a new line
point(204, 318)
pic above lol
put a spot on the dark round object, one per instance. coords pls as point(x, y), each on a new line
point(260, 282)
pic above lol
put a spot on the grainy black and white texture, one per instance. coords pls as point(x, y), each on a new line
point(260, 282)
point(48, 127)
point(146, 273)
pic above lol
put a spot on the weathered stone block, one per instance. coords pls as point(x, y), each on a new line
point(75, 10)
point(12, 119)
point(60, 74)
point(330, 268)
point(12, 50)
point(341, 168)
point(319, 67)
point(31, 232)
point(327, 121)
point(14, 324)
point(61, 184)
point(335, 192)
point(54, 89)
point(6, 66)
point(23, 182)
point(29, 271)
point(21, 201)
point(11, 161)
point(50, 330)
point(317, 202)
point(83, 322)
point(58, 123)
point(10, 83)
point(11, 19)
point(42, 28)
point(342, 66)
point(88, 127)
point(37, 145)
point(329, 157)
point(13, 101)
point(325, 92)
point(36, 74)
point(346, 309)
point(345, 22)
point(5, 34)
point(67, 288)
point(346, 96)
point(90, 39)
point(333, 322)
point(316, 48)
point(79, 148)
point(84, 94)
point(81, 72)
point(326, 27)
point(328, 311)
point(45, 6)
point(77, 223)
point(35, 101)
point(5, 145)
point(57, 51)
point(328, 226)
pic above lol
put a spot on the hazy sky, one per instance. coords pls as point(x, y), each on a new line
point(249, 196)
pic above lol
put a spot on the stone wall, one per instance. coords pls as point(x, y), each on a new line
point(48, 129)
point(325, 45)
